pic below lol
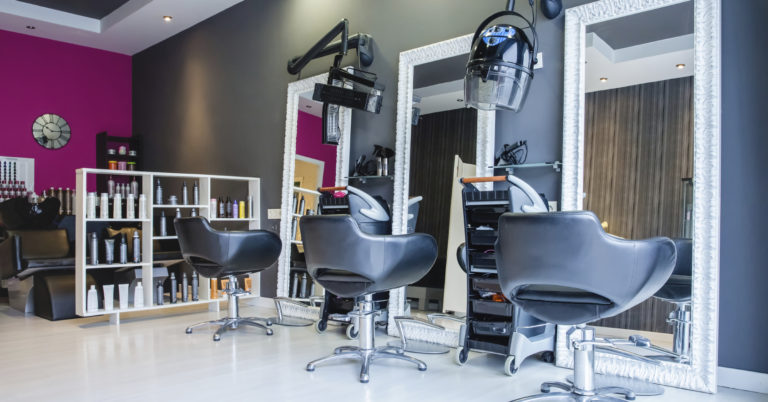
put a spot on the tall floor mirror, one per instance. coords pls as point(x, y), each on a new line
point(641, 151)
point(307, 165)
point(436, 136)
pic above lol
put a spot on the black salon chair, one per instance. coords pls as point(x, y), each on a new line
point(214, 254)
point(350, 263)
point(563, 268)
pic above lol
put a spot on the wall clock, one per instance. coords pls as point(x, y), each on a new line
point(51, 131)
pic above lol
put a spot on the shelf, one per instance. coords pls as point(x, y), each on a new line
point(101, 266)
point(363, 179)
point(178, 206)
point(115, 220)
point(556, 165)
point(101, 311)
point(164, 237)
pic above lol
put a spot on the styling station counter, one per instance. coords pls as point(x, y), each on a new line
point(148, 219)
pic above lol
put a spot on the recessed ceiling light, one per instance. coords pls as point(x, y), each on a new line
point(167, 18)
point(30, 27)
point(680, 66)
point(308, 106)
point(603, 79)
point(459, 100)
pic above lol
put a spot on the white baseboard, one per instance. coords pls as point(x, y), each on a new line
point(742, 379)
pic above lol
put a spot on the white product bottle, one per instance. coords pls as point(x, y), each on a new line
point(104, 206)
point(93, 300)
point(129, 207)
point(109, 297)
point(117, 213)
point(138, 296)
point(142, 206)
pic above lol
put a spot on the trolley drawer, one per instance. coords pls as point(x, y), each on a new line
point(483, 237)
point(490, 307)
point(486, 284)
point(492, 328)
point(479, 259)
point(486, 215)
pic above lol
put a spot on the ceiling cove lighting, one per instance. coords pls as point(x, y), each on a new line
point(167, 18)
point(603, 79)
point(680, 66)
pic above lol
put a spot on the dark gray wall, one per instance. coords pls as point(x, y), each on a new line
point(212, 99)
point(744, 227)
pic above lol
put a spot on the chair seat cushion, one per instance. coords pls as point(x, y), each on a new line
point(560, 294)
point(676, 290)
point(51, 262)
point(342, 283)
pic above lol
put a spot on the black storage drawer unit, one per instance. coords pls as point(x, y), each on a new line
point(492, 328)
point(482, 237)
point(479, 259)
point(488, 215)
point(491, 307)
point(487, 346)
point(484, 284)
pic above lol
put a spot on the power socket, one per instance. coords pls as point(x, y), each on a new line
point(273, 213)
point(552, 206)
point(539, 61)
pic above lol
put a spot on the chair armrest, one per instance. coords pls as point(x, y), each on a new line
point(10, 257)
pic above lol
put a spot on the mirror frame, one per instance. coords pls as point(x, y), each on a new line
point(486, 139)
point(295, 89)
point(700, 374)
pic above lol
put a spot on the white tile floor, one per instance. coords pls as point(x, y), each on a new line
point(150, 358)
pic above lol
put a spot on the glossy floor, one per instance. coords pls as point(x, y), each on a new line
point(151, 358)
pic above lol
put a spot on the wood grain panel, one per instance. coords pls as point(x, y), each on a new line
point(638, 147)
point(434, 142)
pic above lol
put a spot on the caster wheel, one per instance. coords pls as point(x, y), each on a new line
point(365, 378)
point(216, 338)
point(310, 368)
point(352, 332)
point(269, 331)
point(509, 366)
point(188, 330)
point(548, 357)
point(320, 326)
point(423, 368)
point(461, 356)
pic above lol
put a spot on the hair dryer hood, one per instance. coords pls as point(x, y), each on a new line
point(500, 69)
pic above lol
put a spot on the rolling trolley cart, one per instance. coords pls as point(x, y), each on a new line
point(493, 324)
point(373, 217)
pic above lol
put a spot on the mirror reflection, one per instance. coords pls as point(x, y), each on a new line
point(315, 167)
point(443, 149)
point(638, 158)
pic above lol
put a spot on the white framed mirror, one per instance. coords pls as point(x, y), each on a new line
point(307, 165)
point(434, 95)
point(641, 148)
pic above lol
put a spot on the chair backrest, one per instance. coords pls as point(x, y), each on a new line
point(215, 253)
point(335, 242)
point(563, 268)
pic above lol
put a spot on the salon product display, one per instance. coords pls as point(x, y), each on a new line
point(377, 164)
point(10, 184)
point(228, 208)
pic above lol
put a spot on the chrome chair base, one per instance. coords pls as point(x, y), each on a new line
point(367, 356)
point(233, 320)
point(230, 323)
point(366, 351)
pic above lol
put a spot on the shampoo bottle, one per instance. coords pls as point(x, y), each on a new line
point(93, 299)
point(138, 295)
point(174, 288)
point(195, 284)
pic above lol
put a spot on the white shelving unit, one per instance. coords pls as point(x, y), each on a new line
point(148, 226)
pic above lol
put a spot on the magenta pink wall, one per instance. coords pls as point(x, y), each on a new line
point(89, 88)
point(309, 143)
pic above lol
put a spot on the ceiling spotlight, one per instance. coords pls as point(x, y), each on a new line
point(167, 18)
point(603, 79)
point(680, 66)
point(308, 106)
point(30, 27)
point(459, 100)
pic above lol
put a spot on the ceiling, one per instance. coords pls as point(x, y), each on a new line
point(87, 8)
point(650, 26)
point(121, 26)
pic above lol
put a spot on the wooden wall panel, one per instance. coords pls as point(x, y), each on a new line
point(638, 148)
point(434, 142)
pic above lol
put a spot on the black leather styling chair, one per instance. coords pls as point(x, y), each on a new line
point(214, 254)
point(350, 263)
point(563, 268)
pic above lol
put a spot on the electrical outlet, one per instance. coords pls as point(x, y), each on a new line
point(273, 213)
point(552, 206)
point(539, 61)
